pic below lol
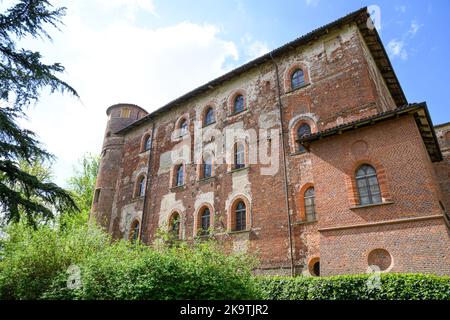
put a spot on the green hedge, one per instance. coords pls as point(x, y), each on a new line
point(34, 265)
point(354, 287)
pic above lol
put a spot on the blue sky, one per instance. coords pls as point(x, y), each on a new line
point(149, 52)
point(417, 32)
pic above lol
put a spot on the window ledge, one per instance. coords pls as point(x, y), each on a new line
point(176, 188)
point(371, 205)
point(305, 222)
point(209, 124)
point(205, 180)
point(235, 114)
point(299, 88)
point(296, 153)
point(240, 169)
point(239, 232)
point(179, 137)
point(204, 236)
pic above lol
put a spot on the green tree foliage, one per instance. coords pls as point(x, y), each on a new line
point(41, 169)
point(22, 76)
point(82, 183)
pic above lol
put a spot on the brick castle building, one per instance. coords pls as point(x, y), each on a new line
point(309, 157)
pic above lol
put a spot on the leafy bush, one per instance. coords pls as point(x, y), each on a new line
point(31, 259)
point(354, 287)
point(126, 271)
point(35, 266)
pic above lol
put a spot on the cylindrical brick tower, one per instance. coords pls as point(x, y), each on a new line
point(119, 116)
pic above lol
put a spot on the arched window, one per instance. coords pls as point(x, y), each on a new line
point(297, 79)
point(238, 105)
point(367, 185)
point(239, 156)
point(209, 116)
point(240, 216)
point(179, 175)
point(134, 231)
point(147, 143)
point(302, 131)
point(141, 187)
point(183, 127)
point(316, 269)
point(205, 221)
point(207, 167)
point(174, 226)
point(310, 207)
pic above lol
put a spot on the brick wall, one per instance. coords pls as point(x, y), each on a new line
point(342, 84)
point(348, 233)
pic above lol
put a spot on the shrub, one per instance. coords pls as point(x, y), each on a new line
point(35, 265)
point(125, 271)
point(32, 258)
point(354, 287)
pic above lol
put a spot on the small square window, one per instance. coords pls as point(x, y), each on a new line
point(125, 113)
point(96, 195)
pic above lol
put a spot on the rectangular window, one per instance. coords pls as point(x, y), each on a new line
point(240, 220)
point(310, 209)
point(125, 113)
point(96, 195)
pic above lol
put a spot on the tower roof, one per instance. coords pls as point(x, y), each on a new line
point(121, 105)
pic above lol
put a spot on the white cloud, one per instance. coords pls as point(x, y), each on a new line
point(256, 49)
point(312, 3)
point(414, 27)
point(120, 62)
point(400, 8)
point(130, 6)
point(396, 48)
point(253, 48)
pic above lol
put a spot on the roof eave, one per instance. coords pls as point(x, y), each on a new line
point(418, 110)
point(370, 35)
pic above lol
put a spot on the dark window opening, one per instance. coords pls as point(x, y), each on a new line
point(134, 233)
point(205, 221)
point(207, 168)
point(316, 269)
point(175, 225)
point(239, 156)
point(183, 127)
point(209, 117)
point(310, 207)
point(240, 215)
point(367, 185)
point(96, 195)
point(238, 104)
point(180, 176)
point(148, 143)
point(302, 131)
point(297, 79)
point(141, 187)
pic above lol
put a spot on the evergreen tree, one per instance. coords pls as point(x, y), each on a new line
point(22, 77)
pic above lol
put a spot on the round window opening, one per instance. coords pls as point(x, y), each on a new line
point(380, 258)
point(314, 267)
